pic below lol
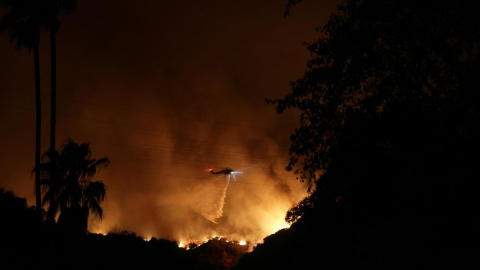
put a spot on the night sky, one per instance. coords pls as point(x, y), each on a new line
point(167, 90)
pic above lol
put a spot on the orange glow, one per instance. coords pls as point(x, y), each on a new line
point(242, 208)
point(175, 114)
point(278, 224)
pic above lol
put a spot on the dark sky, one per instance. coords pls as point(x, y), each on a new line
point(166, 90)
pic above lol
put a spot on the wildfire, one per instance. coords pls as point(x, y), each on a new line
point(241, 216)
point(191, 244)
point(271, 224)
point(278, 225)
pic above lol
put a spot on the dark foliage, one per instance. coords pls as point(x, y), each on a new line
point(218, 253)
point(68, 186)
point(27, 242)
point(397, 195)
point(376, 54)
point(389, 140)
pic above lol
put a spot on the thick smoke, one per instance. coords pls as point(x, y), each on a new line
point(172, 195)
point(166, 96)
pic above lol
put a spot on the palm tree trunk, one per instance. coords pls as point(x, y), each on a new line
point(38, 107)
point(53, 83)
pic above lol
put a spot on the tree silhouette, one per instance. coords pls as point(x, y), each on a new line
point(23, 22)
point(20, 230)
point(52, 24)
point(71, 188)
point(375, 55)
point(290, 5)
point(388, 139)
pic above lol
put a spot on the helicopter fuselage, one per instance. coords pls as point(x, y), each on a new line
point(225, 171)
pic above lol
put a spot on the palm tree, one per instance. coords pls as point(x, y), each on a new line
point(22, 22)
point(71, 188)
point(52, 24)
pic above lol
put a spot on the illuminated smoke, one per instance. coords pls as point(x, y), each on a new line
point(163, 113)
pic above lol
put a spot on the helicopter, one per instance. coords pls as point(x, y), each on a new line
point(225, 171)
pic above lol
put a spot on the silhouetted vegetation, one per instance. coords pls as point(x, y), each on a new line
point(52, 10)
point(67, 185)
point(23, 21)
point(389, 140)
point(28, 242)
point(218, 253)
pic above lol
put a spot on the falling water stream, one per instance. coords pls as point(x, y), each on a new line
point(213, 210)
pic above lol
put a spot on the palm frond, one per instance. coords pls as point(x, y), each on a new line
point(96, 190)
point(102, 162)
point(67, 179)
point(96, 209)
